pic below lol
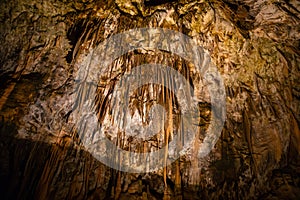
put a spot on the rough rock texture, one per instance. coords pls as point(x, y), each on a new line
point(254, 44)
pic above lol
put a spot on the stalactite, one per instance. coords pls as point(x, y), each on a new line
point(255, 47)
point(118, 188)
point(247, 128)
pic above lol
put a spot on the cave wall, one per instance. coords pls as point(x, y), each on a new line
point(254, 44)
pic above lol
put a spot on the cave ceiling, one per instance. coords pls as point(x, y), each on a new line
point(47, 45)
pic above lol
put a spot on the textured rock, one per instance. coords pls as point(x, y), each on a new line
point(254, 44)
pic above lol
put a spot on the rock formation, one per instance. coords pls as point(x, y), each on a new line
point(253, 44)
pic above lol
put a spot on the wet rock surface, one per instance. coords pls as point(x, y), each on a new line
point(255, 46)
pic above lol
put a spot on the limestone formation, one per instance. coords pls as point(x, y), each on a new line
point(253, 44)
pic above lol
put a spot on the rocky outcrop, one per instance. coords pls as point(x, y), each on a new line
point(255, 46)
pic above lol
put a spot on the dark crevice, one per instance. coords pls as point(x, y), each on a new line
point(157, 2)
point(74, 33)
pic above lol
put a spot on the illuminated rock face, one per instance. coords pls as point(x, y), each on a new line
point(255, 46)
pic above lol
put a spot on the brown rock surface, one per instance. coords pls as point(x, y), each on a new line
point(254, 44)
